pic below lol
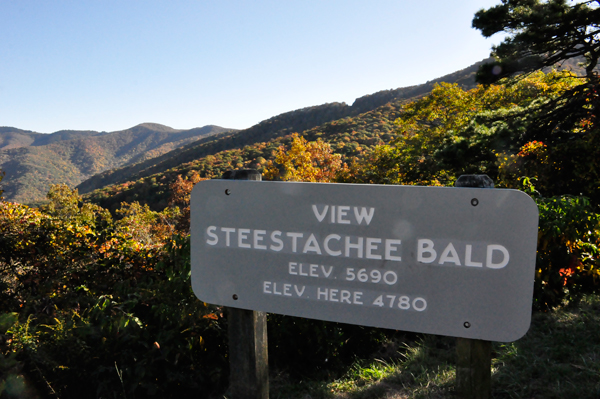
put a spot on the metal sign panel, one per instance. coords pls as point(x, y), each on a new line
point(438, 260)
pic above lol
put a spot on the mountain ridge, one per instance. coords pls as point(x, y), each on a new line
point(33, 161)
point(277, 126)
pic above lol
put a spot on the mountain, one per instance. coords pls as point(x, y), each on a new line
point(11, 137)
point(352, 136)
point(277, 126)
point(280, 125)
point(33, 161)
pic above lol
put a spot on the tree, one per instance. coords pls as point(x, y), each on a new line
point(453, 131)
point(181, 191)
point(67, 205)
point(541, 34)
point(312, 161)
point(143, 226)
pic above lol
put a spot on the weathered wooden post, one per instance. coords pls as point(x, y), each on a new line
point(474, 364)
point(248, 357)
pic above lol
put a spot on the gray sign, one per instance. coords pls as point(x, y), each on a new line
point(438, 260)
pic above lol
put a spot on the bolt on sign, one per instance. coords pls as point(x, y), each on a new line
point(438, 260)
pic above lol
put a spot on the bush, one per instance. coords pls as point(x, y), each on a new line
point(96, 308)
point(568, 247)
point(150, 337)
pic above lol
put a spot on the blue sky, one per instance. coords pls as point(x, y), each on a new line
point(109, 65)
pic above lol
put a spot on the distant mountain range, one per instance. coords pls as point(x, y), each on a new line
point(91, 160)
point(33, 161)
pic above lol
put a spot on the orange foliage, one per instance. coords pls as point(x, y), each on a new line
point(181, 190)
point(312, 161)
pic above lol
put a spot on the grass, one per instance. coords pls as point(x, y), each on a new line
point(558, 358)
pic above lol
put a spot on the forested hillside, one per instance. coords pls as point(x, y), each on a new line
point(277, 126)
point(11, 137)
point(273, 127)
point(34, 161)
point(350, 136)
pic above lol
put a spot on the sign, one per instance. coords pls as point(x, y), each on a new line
point(438, 260)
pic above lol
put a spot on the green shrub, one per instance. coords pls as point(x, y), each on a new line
point(568, 247)
point(145, 336)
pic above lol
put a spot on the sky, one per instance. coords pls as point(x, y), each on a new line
point(108, 65)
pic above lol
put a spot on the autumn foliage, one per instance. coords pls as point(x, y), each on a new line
point(312, 161)
point(92, 305)
point(181, 191)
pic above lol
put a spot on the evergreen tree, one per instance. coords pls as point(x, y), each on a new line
point(540, 34)
point(543, 34)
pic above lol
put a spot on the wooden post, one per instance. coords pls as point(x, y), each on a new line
point(474, 368)
point(474, 365)
point(248, 357)
point(247, 330)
